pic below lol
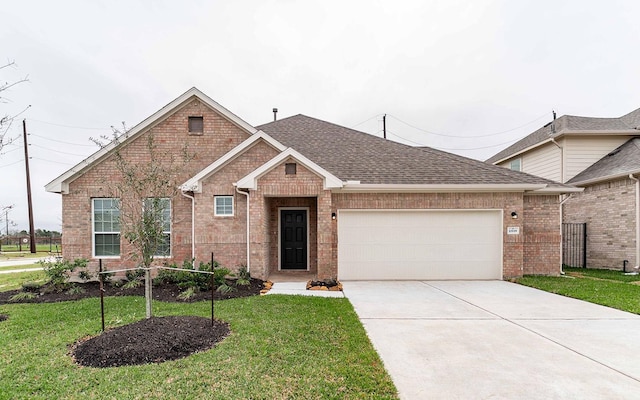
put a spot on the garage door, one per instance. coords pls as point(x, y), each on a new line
point(419, 244)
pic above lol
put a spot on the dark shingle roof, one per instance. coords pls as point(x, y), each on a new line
point(566, 124)
point(353, 155)
point(623, 160)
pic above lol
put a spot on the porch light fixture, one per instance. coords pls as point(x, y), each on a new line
point(333, 216)
point(514, 215)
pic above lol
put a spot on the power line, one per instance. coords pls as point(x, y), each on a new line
point(70, 126)
point(63, 142)
point(51, 161)
point(13, 163)
point(450, 149)
point(468, 136)
point(58, 151)
point(367, 120)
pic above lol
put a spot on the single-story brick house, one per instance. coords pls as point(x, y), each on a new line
point(301, 194)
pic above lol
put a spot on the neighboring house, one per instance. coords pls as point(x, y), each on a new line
point(601, 156)
point(301, 194)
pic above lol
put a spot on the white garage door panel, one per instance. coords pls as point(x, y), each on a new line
point(424, 244)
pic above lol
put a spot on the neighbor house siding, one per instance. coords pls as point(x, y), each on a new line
point(582, 152)
point(609, 210)
point(543, 161)
point(170, 138)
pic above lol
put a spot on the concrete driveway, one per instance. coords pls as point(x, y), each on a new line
point(497, 340)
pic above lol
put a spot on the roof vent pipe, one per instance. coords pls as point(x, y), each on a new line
point(553, 123)
point(275, 113)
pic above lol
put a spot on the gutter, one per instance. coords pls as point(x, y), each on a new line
point(248, 247)
point(355, 186)
point(193, 225)
point(633, 178)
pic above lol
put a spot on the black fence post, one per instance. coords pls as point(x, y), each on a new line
point(101, 291)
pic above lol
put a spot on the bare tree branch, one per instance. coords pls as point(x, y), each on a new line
point(6, 120)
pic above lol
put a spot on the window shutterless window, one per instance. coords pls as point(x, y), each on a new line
point(516, 165)
point(223, 206)
point(106, 227)
point(158, 210)
point(196, 125)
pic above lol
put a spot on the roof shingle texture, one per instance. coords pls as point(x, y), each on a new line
point(623, 160)
point(566, 124)
point(352, 155)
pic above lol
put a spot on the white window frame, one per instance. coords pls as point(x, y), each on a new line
point(215, 205)
point(519, 160)
point(164, 232)
point(94, 232)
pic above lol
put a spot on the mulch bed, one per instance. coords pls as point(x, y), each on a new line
point(152, 340)
point(164, 292)
point(3, 317)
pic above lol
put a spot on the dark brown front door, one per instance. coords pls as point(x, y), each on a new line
point(293, 239)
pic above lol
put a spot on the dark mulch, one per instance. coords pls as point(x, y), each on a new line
point(152, 340)
point(3, 317)
point(163, 292)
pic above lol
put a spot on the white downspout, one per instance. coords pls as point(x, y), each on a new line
point(633, 178)
point(561, 219)
point(193, 225)
point(248, 247)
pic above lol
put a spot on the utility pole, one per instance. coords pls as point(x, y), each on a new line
point(32, 231)
point(384, 126)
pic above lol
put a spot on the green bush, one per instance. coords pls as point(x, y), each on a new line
point(22, 296)
point(58, 272)
point(186, 280)
point(32, 287)
point(244, 277)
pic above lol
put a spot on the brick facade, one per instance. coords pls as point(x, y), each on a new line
point(609, 210)
point(535, 250)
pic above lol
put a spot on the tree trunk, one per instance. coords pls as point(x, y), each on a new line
point(147, 291)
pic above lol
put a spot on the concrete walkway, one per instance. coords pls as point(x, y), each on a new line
point(300, 288)
point(498, 340)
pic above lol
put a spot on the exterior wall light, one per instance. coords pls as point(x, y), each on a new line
point(333, 216)
point(514, 215)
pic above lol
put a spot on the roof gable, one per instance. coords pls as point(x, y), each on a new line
point(61, 183)
point(251, 181)
point(194, 184)
point(571, 124)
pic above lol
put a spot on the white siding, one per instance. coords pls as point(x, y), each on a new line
point(582, 152)
point(544, 161)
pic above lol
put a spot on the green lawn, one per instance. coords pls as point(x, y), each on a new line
point(608, 288)
point(291, 347)
point(15, 281)
point(28, 266)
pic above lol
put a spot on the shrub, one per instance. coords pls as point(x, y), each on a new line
point(32, 287)
point(58, 272)
point(244, 278)
point(75, 289)
point(187, 294)
point(22, 296)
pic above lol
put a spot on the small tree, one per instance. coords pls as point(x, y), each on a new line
point(146, 190)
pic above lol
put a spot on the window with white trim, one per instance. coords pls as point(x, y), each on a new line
point(158, 210)
point(516, 165)
point(223, 206)
point(106, 227)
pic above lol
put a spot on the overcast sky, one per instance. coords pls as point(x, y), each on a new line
point(470, 77)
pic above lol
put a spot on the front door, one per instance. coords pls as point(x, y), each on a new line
point(293, 239)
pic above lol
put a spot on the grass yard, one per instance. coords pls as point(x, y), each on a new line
point(15, 281)
point(28, 266)
point(281, 347)
point(608, 288)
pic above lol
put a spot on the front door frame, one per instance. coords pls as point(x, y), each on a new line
point(280, 209)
